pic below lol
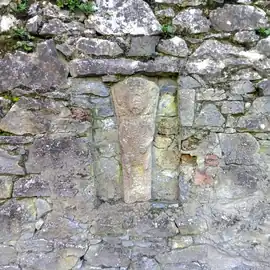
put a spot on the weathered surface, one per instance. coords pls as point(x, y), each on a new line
point(175, 46)
point(135, 100)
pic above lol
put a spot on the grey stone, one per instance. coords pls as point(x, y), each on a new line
point(192, 21)
point(244, 37)
point(8, 255)
point(6, 185)
point(132, 17)
point(110, 78)
point(264, 87)
point(91, 86)
point(145, 263)
point(238, 17)
point(253, 122)
point(209, 116)
point(9, 164)
point(136, 113)
point(31, 186)
point(95, 46)
point(168, 125)
point(164, 64)
point(88, 67)
point(40, 71)
point(53, 27)
point(102, 107)
point(232, 107)
point(43, 207)
point(210, 94)
point(165, 13)
point(191, 225)
point(186, 106)
point(4, 3)
point(181, 241)
point(15, 140)
point(34, 245)
point(175, 46)
point(263, 46)
point(261, 105)
point(242, 87)
point(65, 49)
point(7, 22)
point(143, 46)
point(33, 24)
point(189, 82)
point(239, 149)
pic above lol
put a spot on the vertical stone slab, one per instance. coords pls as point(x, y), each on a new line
point(135, 101)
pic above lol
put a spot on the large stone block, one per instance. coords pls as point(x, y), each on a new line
point(135, 101)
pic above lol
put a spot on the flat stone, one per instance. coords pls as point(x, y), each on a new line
point(164, 64)
point(53, 28)
point(40, 71)
point(14, 140)
point(95, 46)
point(263, 46)
point(239, 148)
point(261, 105)
point(186, 109)
point(43, 207)
point(232, 107)
point(145, 263)
point(9, 164)
point(264, 87)
point(181, 241)
point(191, 225)
point(167, 106)
point(192, 21)
point(175, 46)
point(6, 185)
point(136, 111)
point(210, 94)
point(34, 245)
point(33, 24)
point(238, 17)
point(253, 122)
point(65, 49)
point(118, 18)
point(241, 87)
point(189, 82)
point(7, 22)
point(167, 125)
point(209, 116)
point(102, 107)
point(8, 255)
point(244, 37)
point(165, 13)
point(31, 186)
point(143, 46)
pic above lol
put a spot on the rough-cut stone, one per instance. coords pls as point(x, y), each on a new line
point(145, 263)
point(53, 27)
point(186, 106)
point(232, 107)
point(167, 13)
point(209, 116)
point(175, 46)
point(95, 46)
point(135, 100)
point(31, 186)
point(241, 87)
point(181, 241)
point(129, 17)
point(9, 164)
point(192, 21)
point(43, 207)
point(261, 105)
point(40, 71)
point(264, 87)
point(7, 22)
point(210, 94)
point(33, 24)
point(263, 46)
point(244, 37)
point(6, 185)
point(143, 46)
point(238, 17)
point(7, 255)
point(239, 148)
point(164, 64)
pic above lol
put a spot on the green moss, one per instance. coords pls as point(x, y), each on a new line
point(73, 5)
point(168, 30)
point(264, 32)
point(4, 133)
point(11, 98)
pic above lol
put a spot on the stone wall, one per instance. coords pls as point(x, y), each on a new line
point(136, 137)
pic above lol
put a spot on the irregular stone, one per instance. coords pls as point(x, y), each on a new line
point(175, 46)
point(143, 46)
point(9, 164)
point(209, 116)
point(40, 71)
point(53, 28)
point(132, 17)
point(167, 13)
point(181, 242)
point(31, 186)
point(136, 115)
point(95, 46)
point(7, 22)
point(264, 87)
point(34, 245)
point(102, 107)
point(192, 21)
point(14, 140)
point(167, 86)
point(239, 148)
point(188, 82)
point(4, 3)
point(167, 125)
point(91, 86)
point(43, 207)
point(110, 78)
point(232, 107)
point(241, 87)
point(65, 49)
point(145, 263)
point(33, 24)
point(88, 67)
point(210, 94)
point(6, 185)
point(253, 122)
point(8, 255)
point(167, 106)
point(238, 17)
point(263, 46)
point(244, 37)
point(186, 106)
point(191, 225)
point(261, 105)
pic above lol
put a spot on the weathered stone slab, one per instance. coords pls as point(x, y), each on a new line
point(9, 164)
point(8, 255)
point(186, 106)
point(238, 17)
point(135, 101)
point(118, 17)
point(175, 46)
point(6, 185)
point(264, 87)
